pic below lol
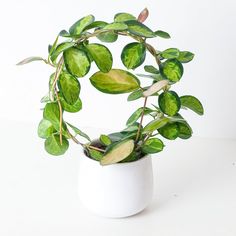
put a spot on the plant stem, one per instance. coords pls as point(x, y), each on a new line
point(58, 71)
point(60, 110)
point(95, 148)
point(48, 62)
point(141, 121)
point(152, 50)
point(84, 145)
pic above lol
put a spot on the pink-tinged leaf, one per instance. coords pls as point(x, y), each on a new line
point(143, 15)
point(155, 88)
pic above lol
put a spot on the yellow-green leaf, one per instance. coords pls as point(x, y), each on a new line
point(69, 87)
point(54, 147)
point(76, 61)
point(108, 37)
point(116, 81)
point(169, 103)
point(169, 131)
point(133, 55)
point(155, 124)
point(96, 155)
point(170, 53)
point(192, 103)
point(78, 27)
point(172, 70)
point(116, 26)
point(121, 17)
point(162, 34)
point(45, 129)
point(135, 95)
point(77, 106)
point(101, 55)
point(151, 69)
point(139, 29)
point(118, 152)
point(105, 139)
point(185, 56)
point(152, 145)
point(61, 48)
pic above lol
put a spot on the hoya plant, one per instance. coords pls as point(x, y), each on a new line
point(71, 56)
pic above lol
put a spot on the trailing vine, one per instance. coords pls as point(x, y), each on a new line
point(72, 60)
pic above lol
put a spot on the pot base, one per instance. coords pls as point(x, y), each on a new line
point(118, 190)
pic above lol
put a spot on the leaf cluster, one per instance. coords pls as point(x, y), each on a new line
point(71, 56)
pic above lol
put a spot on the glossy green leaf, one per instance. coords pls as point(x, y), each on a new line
point(118, 152)
point(132, 128)
point(64, 33)
point(69, 87)
point(108, 37)
point(116, 26)
point(137, 114)
point(115, 81)
point(79, 132)
point(170, 53)
point(151, 69)
point(169, 131)
point(172, 70)
point(155, 124)
point(135, 95)
point(105, 139)
point(61, 48)
point(96, 155)
point(96, 24)
point(139, 29)
point(120, 136)
point(192, 103)
point(169, 103)
point(162, 34)
point(77, 106)
point(152, 145)
point(185, 56)
point(78, 27)
point(53, 46)
point(28, 60)
point(51, 113)
point(156, 87)
point(134, 156)
point(133, 55)
point(52, 145)
point(51, 81)
point(185, 130)
point(121, 17)
point(115, 137)
point(83, 47)
point(76, 61)
point(45, 129)
point(101, 55)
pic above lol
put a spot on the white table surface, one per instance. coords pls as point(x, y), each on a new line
point(195, 190)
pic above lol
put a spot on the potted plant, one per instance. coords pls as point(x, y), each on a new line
point(115, 173)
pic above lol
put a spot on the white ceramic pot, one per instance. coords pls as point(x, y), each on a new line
point(117, 190)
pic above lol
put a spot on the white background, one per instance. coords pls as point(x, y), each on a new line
point(205, 27)
point(195, 188)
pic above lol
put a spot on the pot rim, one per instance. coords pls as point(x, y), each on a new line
point(124, 163)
